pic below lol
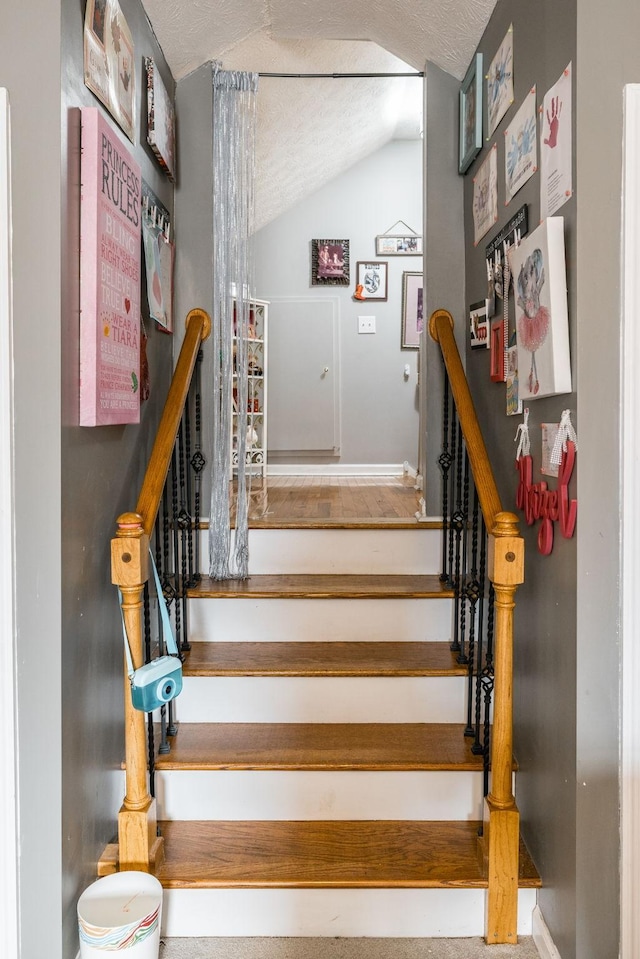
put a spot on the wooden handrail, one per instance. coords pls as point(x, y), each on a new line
point(500, 843)
point(441, 330)
point(198, 325)
point(139, 846)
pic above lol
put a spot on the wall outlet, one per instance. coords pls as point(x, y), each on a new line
point(366, 324)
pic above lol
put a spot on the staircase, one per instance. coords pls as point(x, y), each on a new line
point(320, 783)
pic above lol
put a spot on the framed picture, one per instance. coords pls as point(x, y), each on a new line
point(396, 245)
point(542, 320)
point(471, 114)
point(412, 310)
point(329, 262)
point(371, 280)
point(160, 119)
point(479, 325)
point(109, 61)
point(485, 195)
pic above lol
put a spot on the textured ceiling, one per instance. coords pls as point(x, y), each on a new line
point(311, 130)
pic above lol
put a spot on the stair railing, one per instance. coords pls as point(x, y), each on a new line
point(139, 846)
point(483, 634)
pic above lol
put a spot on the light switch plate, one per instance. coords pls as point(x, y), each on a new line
point(366, 324)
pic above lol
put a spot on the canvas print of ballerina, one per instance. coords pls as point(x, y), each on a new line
point(542, 324)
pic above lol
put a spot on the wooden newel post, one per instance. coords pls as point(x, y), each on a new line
point(501, 833)
point(139, 847)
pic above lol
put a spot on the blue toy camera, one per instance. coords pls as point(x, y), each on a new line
point(156, 683)
point(159, 681)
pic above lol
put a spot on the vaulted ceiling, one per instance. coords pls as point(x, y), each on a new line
point(311, 130)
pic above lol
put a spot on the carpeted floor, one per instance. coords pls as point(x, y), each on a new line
point(343, 949)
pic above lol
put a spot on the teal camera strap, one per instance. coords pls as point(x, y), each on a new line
point(167, 631)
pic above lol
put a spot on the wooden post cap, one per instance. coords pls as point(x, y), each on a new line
point(505, 524)
point(433, 322)
point(129, 524)
point(204, 316)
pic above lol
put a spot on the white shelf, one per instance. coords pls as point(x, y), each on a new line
point(256, 455)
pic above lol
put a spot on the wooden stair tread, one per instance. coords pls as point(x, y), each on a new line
point(321, 746)
point(323, 586)
point(366, 522)
point(322, 659)
point(206, 854)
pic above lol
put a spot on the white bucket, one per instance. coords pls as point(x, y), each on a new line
point(121, 912)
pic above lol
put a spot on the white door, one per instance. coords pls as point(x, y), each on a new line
point(303, 377)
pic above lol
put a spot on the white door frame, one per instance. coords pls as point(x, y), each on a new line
point(8, 752)
point(630, 531)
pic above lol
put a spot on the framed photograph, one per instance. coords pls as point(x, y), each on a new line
point(412, 310)
point(479, 325)
point(471, 114)
point(109, 61)
point(329, 262)
point(407, 245)
point(542, 320)
point(371, 280)
point(160, 120)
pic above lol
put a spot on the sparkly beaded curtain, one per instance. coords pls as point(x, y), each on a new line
point(234, 120)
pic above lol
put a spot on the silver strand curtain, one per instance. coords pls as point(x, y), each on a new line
point(234, 122)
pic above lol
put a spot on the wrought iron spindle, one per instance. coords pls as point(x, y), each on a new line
point(451, 497)
point(151, 752)
point(487, 689)
point(472, 593)
point(198, 463)
point(175, 510)
point(444, 461)
point(184, 525)
point(457, 521)
point(462, 588)
point(476, 749)
point(189, 581)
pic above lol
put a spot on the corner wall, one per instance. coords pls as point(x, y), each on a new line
point(546, 617)
point(102, 470)
point(29, 69)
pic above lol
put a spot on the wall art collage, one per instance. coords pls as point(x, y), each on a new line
point(120, 220)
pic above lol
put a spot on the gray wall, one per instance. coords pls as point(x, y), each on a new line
point(378, 407)
point(101, 470)
point(444, 257)
point(32, 82)
point(546, 617)
point(608, 42)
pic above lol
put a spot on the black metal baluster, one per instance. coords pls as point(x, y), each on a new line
point(188, 492)
point(198, 463)
point(462, 655)
point(184, 525)
point(151, 752)
point(472, 593)
point(444, 461)
point(457, 521)
point(476, 749)
point(172, 728)
point(487, 689)
point(451, 496)
point(164, 575)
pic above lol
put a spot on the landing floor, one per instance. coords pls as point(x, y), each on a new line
point(309, 500)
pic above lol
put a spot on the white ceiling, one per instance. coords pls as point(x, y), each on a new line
point(311, 130)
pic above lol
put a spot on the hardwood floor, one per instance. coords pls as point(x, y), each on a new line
point(332, 500)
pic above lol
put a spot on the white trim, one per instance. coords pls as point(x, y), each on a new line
point(337, 469)
point(9, 903)
point(542, 937)
point(630, 531)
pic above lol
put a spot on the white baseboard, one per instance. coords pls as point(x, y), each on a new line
point(339, 469)
point(542, 937)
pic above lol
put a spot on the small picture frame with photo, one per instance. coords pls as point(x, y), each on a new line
point(371, 280)
point(470, 115)
point(329, 262)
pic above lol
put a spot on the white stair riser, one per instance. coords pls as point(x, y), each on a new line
point(428, 913)
point(413, 699)
point(299, 620)
point(283, 795)
point(393, 551)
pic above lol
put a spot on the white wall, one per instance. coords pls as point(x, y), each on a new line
point(379, 406)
